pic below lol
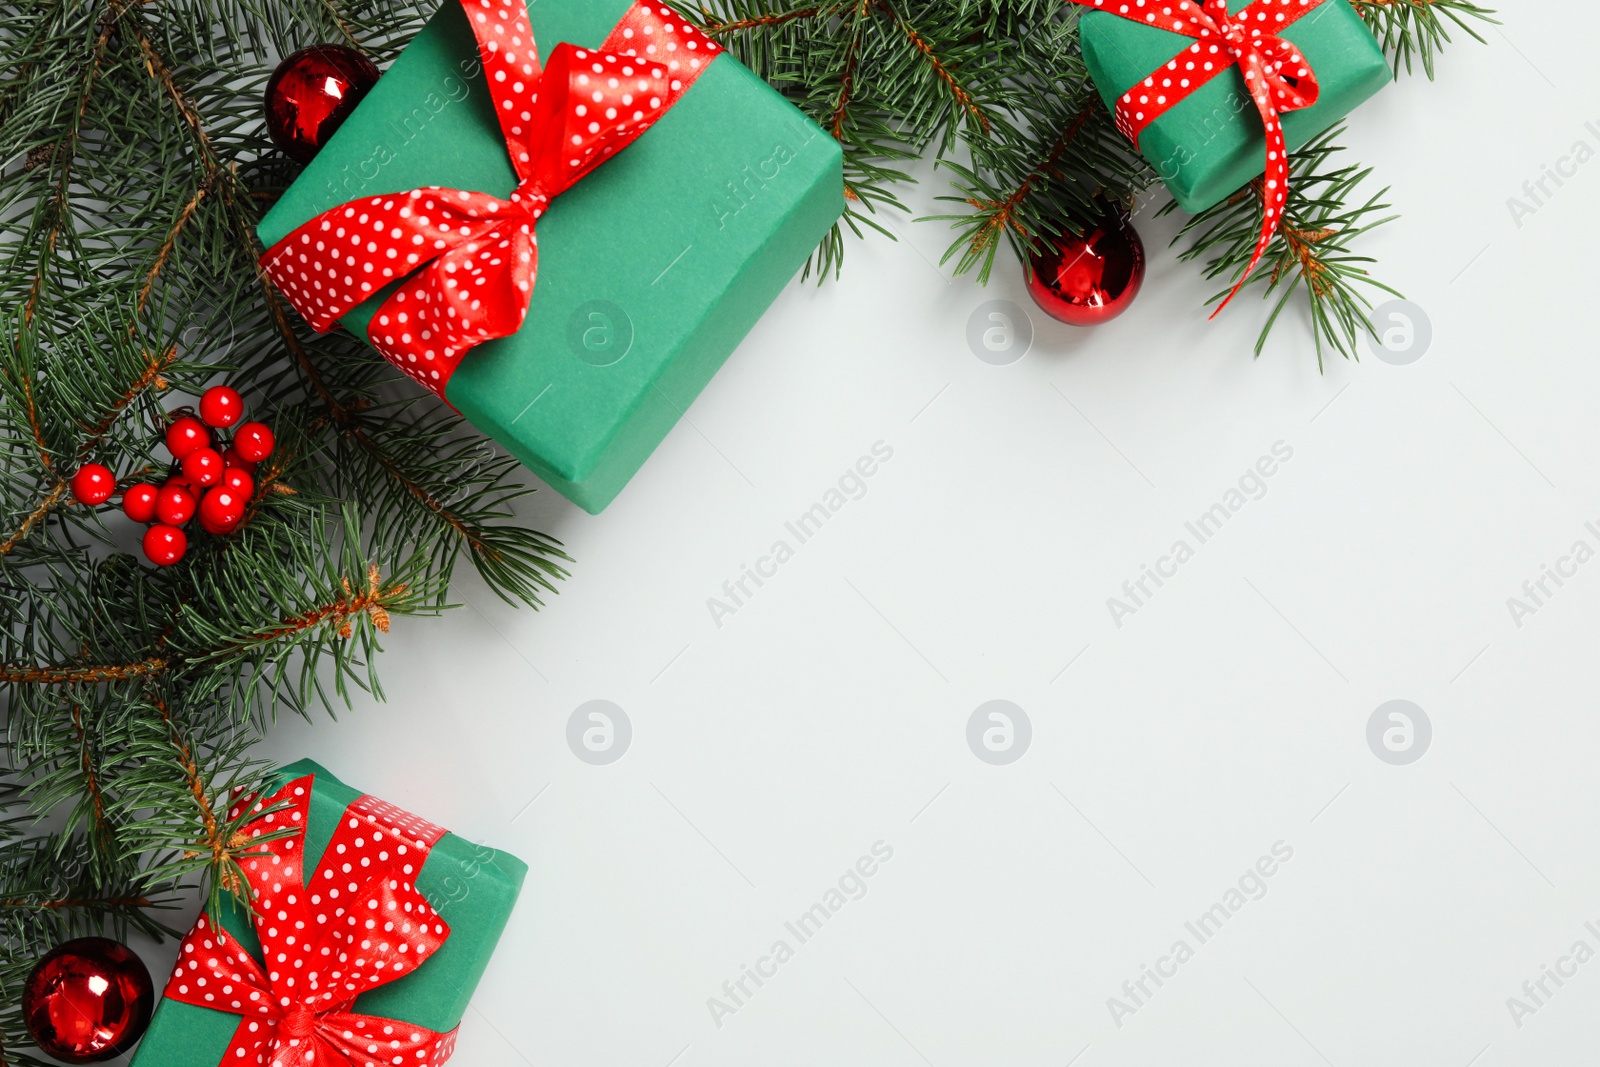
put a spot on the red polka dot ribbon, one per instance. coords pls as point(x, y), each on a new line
point(355, 923)
point(469, 259)
point(1276, 74)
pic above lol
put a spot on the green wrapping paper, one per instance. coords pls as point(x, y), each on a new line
point(1211, 144)
point(472, 887)
point(651, 269)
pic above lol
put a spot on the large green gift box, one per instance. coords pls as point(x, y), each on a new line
point(472, 887)
point(1211, 144)
point(650, 270)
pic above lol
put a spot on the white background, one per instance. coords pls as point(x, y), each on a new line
point(1167, 755)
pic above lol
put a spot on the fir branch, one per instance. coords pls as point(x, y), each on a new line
point(994, 216)
point(92, 784)
point(1416, 30)
point(715, 27)
point(1310, 252)
point(135, 170)
point(375, 601)
point(852, 56)
point(47, 504)
point(86, 675)
point(943, 72)
point(170, 242)
point(219, 843)
point(21, 374)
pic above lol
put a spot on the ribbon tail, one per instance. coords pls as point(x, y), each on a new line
point(1274, 189)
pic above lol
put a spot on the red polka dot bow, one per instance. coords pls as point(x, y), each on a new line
point(354, 924)
point(1277, 76)
point(469, 259)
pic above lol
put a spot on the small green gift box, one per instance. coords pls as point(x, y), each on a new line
point(1208, 146)
point(651, 268)
point(472, 888)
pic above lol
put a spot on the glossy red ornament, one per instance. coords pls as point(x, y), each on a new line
point(93, 484)
point(165, 545)
point(186, 434)
point(139, 502)
point(222, 509)
point(232, 460)
point(312, 92)
point(203, 467)
point(221, 406)
point(238, 479)
point(87, 999)
point(174, 504)
point(1091, 278)
point(253, 442)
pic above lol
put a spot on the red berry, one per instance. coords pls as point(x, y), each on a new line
point(93, 484)
point(186, 434)
point(165, 545)
point(174, 505)
point(232, 460)
point(203, 467)
point(139, 502)
point(239, 480)
point(253, 441)
point(221, 510)
point(221, 405)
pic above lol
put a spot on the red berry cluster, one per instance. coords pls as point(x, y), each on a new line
point(212, 478)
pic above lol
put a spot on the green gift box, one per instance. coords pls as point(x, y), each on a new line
point(472, 887)
point(1211, 144)
point(651, 269)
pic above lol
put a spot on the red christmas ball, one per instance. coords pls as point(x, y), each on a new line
point(253, 442)
point(87, 1000)
point(165, 545)
point(222, 509)
point(186, 434)
point(232, 460)
point(221, 406)
point(1089, 278)
point(139, 502)
point(312, 92)
point(238, 479)
point(93, 484)
point(174, 505)
point(203, 467)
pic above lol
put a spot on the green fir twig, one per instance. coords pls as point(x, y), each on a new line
point(1311, 252)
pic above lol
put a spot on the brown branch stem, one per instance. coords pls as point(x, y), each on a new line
point(370, 601)
point(847, 78)
point(1005, 210)
point(90, 675)
point(151, 375)
point(46, 504)
point(760, 22)
point(167, 245)
point(920, 43)
point(91, 777)
point(215, 844)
